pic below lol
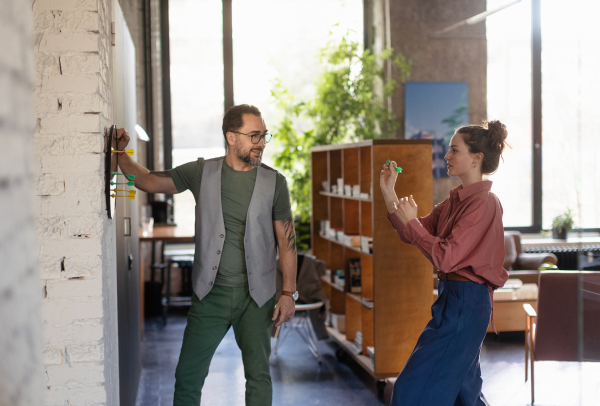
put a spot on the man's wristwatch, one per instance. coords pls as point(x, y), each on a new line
point(293, 295)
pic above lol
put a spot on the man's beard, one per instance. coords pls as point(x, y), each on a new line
point(248, 158)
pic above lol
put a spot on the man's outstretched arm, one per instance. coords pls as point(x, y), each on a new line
point(148, 181)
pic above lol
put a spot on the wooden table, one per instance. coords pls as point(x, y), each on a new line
point(508, 313)
point(169, 234)
point(178, 234)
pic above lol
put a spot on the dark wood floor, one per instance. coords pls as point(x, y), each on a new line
point(299, 380)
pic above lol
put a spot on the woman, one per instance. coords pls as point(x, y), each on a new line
point(464, 239)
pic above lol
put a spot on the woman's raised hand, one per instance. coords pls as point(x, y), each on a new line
point(406, 209)
point(387, 179)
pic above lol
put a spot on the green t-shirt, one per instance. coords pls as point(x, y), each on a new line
point(236, 193)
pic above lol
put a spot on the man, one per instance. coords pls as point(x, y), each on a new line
point(243, 213)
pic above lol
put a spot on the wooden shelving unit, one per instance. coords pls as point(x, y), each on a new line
point(396, 277)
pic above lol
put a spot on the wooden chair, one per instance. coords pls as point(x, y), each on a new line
point(566, 326)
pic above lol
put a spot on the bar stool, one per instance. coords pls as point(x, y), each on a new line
point(161, 266)
point(185, 263)
point(153, 290)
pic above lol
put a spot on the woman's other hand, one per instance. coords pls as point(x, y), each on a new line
point(387, 179)
point(406, 209)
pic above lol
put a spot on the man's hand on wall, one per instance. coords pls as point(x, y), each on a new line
point(284, 311)
point(122, 140)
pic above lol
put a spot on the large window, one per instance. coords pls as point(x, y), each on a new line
point(570, 113)
point(275, 39)
point(272, 39)
point(196, 41)
point(509, 100)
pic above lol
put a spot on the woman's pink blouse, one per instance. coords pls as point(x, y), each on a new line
point(463, 234)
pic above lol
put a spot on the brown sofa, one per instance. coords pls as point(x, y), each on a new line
point(521, 265)
point(516, 259)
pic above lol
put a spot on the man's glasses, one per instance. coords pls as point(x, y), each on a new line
point(255, 138)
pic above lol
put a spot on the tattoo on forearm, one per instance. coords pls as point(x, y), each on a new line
point(290, 234)
point(161, 174)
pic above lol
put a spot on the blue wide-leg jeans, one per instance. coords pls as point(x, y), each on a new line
point(443, 369)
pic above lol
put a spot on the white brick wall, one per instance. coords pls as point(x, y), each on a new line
point(76, 254)
point(21, 375)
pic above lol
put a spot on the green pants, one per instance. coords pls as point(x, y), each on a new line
point(208, 321)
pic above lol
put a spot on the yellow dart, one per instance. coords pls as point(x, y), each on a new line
point(128, 152)
point(131, 192)
point(129, 196)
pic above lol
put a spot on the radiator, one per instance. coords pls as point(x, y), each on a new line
point(573, 257)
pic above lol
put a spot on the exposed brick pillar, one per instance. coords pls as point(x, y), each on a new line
point(72, 99)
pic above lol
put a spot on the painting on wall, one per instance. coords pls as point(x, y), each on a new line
point(433, 110)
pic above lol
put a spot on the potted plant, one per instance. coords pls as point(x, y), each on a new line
point(348, 106)
point(562, 224)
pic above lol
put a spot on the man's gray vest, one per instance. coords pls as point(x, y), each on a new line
point(259, 240)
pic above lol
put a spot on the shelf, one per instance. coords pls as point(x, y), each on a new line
point(333, 285)
point(359, 299)
point(344, 245)
point(363, 360)
point(345, 197)
point(348, 346)
point(354, 296)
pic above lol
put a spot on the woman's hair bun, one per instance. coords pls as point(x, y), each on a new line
point(497, 131)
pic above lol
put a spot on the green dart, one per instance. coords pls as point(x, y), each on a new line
point(130, 183)
point(130, 177)
point(399, 170)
